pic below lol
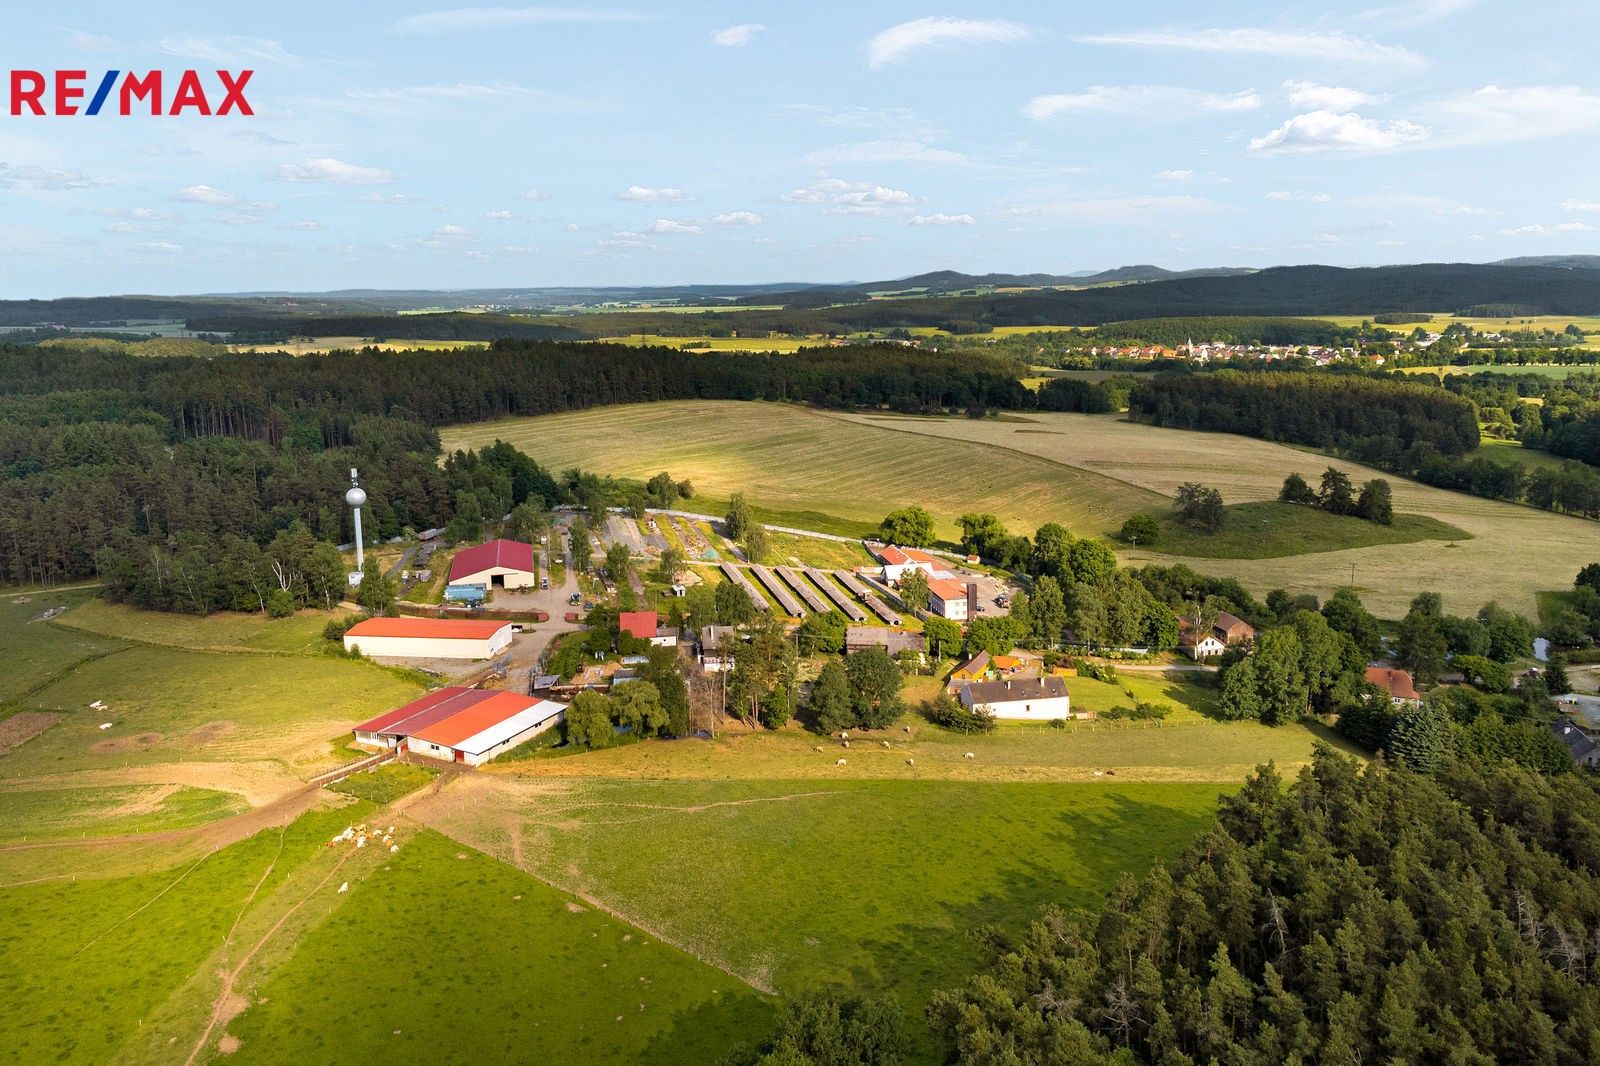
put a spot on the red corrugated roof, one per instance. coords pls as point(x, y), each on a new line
point(428, 628)
point(641, 624)
point(428, 709)
point(509, 554)
point(470, 721)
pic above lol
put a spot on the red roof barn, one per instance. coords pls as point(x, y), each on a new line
point(496, 563)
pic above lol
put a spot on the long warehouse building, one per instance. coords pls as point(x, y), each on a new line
point(429, 638)
point(462, 725)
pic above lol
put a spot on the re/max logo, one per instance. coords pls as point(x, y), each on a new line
point(62, 93)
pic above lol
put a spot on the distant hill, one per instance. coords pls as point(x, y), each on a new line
point(1570, 262)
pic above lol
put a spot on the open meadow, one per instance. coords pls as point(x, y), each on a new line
point(1088, 472)
point(324, 345)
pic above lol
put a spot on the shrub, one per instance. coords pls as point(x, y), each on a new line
point(1141, 711)
point(946, 712)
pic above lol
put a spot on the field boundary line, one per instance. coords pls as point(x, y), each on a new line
point(145, 905)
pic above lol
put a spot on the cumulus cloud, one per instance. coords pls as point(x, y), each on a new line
point(204, 194)
point(334, 170)
point(667, 225)
point(1326, 97)
point(469, 19)
point(1540, 230)
point(897, 42)
point(939, 218)
point(498, 216)
point(1175, 175)
point(646, 194)
point(1321, 131)
point(1329, 46)
point(736, 218)
point(533, 194)
point(1157, 100)
point(887, 152)
point(851, 198)
point(159, 247)
point(1580, 205)
point(737, 36)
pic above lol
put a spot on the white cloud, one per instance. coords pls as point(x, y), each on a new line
point(227, 49)
point(897, 42)
point(887, 152)
point(1540, 230)
point(851, 198)
point(939, 218)
point(1166, 101)
point(394, 199)
point(1580, 205)
point(160, 247)
point(84, 41)
point(468, 19)
point(1312, 197)
point(1493, 115)
point(736, 218)
point(1326, 97)
point(1175, 175)
point(737, 36)
point(204, 194)
point(667, 225)
point(1329, 46)
point(1418, 12)
point(452, 231)
point(533, 194)
point(498, 216)
point(334, 170)
point(1320, 131)
point(47, 179)
point(647, 195)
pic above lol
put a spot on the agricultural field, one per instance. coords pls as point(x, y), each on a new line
point(37, 652)
point(815, 551)
point(875, 887)
point(1089, 472)
point(1268, 529)
point(1549, 370)
point(1440, 321)
point(1510, 451)
point(716, 344)
point(323, 345)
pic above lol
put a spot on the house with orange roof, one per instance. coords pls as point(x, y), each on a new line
point(1396, 684)
point(897, 562)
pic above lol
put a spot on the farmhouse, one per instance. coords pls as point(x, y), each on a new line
point(461, 725)
point(947, 598)
point(1396, 684)
point(429, 638)
point(897, 562)
point(505, 564)
point(1033, 698)
point(1585, 752)
point(716, 648)
point(1228, 630)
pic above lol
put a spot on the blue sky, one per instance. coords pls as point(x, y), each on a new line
point(421, 145)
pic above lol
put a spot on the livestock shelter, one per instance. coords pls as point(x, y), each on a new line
point(495, 564)
point(461, 725)
point(429, 638)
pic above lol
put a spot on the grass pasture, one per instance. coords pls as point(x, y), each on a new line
point(324, 345)
point(1548, 370)
point(716, 344)
point(111, 810)
point(875, 886)
point(34, 652)
point(533, 975)
point(224, 632)
point(1268, 529)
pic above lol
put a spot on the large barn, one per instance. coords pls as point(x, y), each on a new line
point(464, 725)
point(496, 564)
point(429, 638)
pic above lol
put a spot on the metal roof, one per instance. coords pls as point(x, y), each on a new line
point(504, 554)
point(428, 628)
point(468, 722)
point(419, 712)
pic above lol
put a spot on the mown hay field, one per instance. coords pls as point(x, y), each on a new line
point(1088, 472)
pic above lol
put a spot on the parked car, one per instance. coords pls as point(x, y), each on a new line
point(575, 599)
point(544, 583)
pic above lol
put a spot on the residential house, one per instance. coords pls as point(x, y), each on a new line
point(1397, 684)
point(897, 562)
point(1227, 631)
point(977, 668)
point(1585, 752)
point(716, 647)
point(1022, 699)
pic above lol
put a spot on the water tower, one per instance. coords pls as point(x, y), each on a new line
point(356, 498)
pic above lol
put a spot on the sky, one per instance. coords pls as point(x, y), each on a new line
point(419, 145)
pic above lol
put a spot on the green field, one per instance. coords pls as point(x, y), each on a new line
point(814, 551)
point(875, 886)
point(1547, 370)
point(445, 955)
point(1510, 451)
point(223, 632)
point(35, 652)
point(107, 811)
point(1269, 529)
point(717, 344)
point(385, 784)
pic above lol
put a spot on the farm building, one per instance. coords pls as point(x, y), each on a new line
point(897, 562)
point(893, 641)
point(948, 598)
point(1034, 698)
point(1396, 684)
point(976, 668)
point(504, 564)
point(1227, 631)
point(463, 725)
point(429, 638)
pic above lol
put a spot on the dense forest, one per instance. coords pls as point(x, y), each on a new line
point(1360, 915)
point(1323, 410)
point(164, 458)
